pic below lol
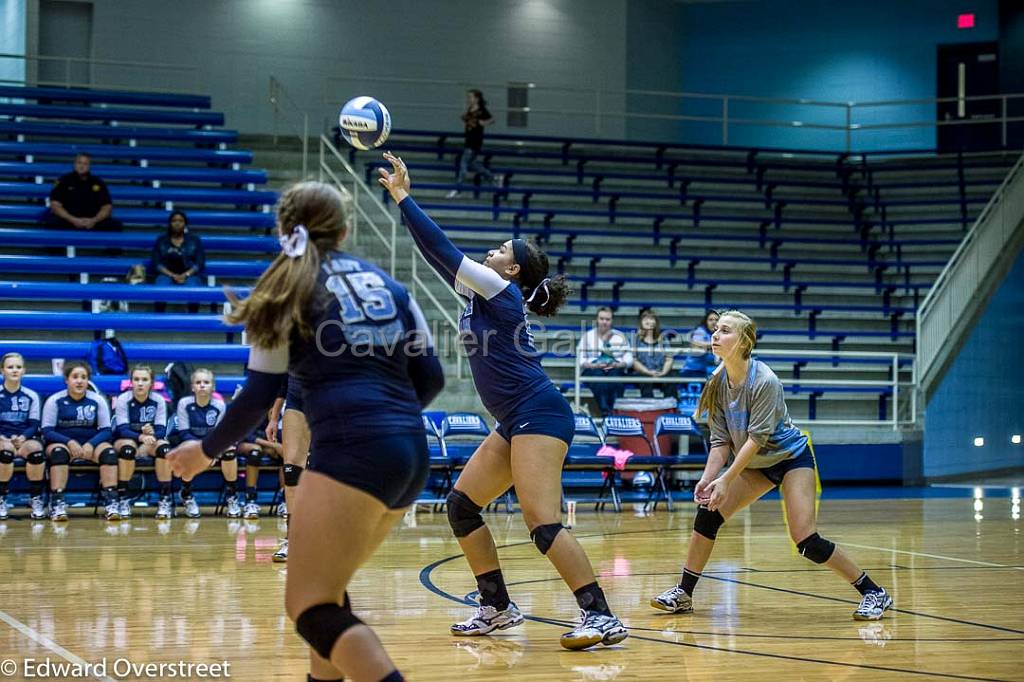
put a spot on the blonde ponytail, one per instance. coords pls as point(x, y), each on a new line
point(282, 299)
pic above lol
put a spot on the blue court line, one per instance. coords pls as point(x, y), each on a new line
point(427, 582)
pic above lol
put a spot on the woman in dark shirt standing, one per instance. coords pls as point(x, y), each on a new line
point(178, 258)
point(476, 118)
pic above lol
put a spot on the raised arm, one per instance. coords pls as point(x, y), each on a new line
point(455, 267)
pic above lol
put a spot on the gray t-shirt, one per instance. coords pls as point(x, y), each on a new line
point(756, 410)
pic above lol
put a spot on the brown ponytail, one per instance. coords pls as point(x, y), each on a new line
point(747, 329)
point(282, 298)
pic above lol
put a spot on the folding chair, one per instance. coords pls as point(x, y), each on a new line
point(438, 462)
point(469, 426)
point(582, 458)
point(617, 426)
point(678, 425)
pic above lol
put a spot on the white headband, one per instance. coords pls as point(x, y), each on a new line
point(547, 292)
point(294, 245)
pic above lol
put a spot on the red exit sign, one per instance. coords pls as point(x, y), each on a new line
point(965, 21)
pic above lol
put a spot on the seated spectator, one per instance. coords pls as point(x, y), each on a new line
point(80, 200)
point(140, 429)
point(198, 414)
point(650, 357)
point(702, 364)
point(76, 425)
point(19, 434)
point(178, 258)
point(604, 351)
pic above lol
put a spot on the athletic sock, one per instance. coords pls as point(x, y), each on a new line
point(250, 494)
point(122, 489)
point(688, 581)
point(186, 490)
point(35, 488)
point(230, 488)
point(864, 584)
point(591, 598)
point(58, 495)
point(492, 590)
point(3, 488)
point(395, 676)
point(165, 488)
point(109, 495)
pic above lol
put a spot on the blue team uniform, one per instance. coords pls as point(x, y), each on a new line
point(130, 416)
point(19, 412)
point(195, 421)
point(496, 333)
point(86, 420)
point(363, 378)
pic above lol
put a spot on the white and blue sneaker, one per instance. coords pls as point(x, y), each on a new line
point(594, 628)
point(488, 619)
point(673, 600)
point(873, 605)
point(3, 508)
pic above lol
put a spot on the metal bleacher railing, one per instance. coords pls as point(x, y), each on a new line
point(891, 387)
point(590, 111)
point(951, 307)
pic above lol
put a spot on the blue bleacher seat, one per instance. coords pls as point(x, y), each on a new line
point(105, 132)
point(133, 193)
point(117, 266)
point(255, 220)
point(134, 239)
point(112, 172)
point(91, 95)
point(197, 118)
point(66, 151)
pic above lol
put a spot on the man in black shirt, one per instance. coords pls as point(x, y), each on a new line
point(80, 200)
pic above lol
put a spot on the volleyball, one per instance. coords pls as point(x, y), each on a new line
point(364, 122)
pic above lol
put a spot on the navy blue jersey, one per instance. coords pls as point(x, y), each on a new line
point(494, 327)
point(354, 374)
point(195, 421)
point(86, 420)
point(130, 416)
point(19, 412)
point(505, 365)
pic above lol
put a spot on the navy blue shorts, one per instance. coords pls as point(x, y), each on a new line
point(393, 468)
point(293, 398)
point(776, 472)
point(546, 414)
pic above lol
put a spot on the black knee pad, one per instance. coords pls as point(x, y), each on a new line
point(162, 450)
point(60, 455)
point(292, 473)
point(36, 458)
point(6, 456)
point(708, 522)
point(323, 624)
point(108, 457)
point(127, 453)
point(229, 456)
point(544, 536)
point(816, 548)
point(463, 514)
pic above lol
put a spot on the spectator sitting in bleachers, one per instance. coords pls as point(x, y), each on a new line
point(80, 200)
point(178, 258)
point(703, 364)
point(651, 358)
point(76, 426)
point(19, 434)
point(604, 351)
point(197, 415)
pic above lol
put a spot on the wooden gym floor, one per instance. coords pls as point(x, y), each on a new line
point(207, 592)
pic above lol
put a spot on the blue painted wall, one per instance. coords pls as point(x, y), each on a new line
point(982, 394)
point(828, 51)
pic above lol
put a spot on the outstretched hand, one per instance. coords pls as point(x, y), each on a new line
point(188, 459)
point(397, 181)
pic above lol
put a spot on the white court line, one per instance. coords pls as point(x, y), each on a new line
point(46, 642)
point(932, 556)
